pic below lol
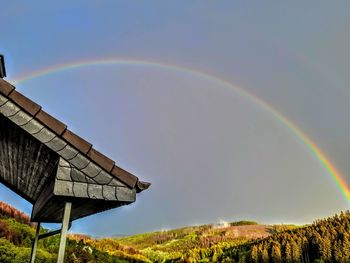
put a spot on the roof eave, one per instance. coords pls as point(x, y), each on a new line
point(141, 186)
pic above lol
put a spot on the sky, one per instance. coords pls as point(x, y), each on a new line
point(210, 152)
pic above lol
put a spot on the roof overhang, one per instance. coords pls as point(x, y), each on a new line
point(47, 164)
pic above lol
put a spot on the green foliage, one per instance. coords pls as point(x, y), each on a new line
point(243, 223)
point(282, 228)
point(8, 211)
point(326, 240)
point(17, 234)
point(9, 253)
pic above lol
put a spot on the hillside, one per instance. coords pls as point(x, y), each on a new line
point(17, 233)
point(325, 240)
point(174, 244)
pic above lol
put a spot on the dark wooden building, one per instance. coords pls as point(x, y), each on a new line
point(57, 171)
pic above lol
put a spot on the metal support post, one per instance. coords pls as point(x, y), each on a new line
point(35, 243)
point(64, 231)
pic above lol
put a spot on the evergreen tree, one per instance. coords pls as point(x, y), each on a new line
point(288, 253)
point(337, 251)
point(265, 255)
point(346, 247)
point(254, 254)
point(276, 253)
point(326, 249)
point(296, 251)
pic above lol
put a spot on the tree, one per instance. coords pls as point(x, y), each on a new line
point(296, 251)
point(255, 255)
point(288, 253)
point(265, 255)
point(276, 253)
point(338, 252)
point(326, 249)
point(346, 247)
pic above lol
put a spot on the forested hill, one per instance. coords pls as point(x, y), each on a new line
point(326, 240)
point(17, 234)
point(9, 211)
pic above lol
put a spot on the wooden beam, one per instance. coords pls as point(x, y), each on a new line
point(64, 232)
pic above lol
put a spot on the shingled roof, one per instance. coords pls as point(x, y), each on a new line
point(78, 162)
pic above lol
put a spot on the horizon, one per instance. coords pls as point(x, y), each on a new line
point(165, 229)
point(233, 111)
point(214, 224)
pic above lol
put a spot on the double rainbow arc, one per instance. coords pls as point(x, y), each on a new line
point(293, 128)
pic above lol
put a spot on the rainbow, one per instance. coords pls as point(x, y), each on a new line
point(293, 128)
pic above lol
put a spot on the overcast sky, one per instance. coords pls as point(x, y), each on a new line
point(210, 153)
